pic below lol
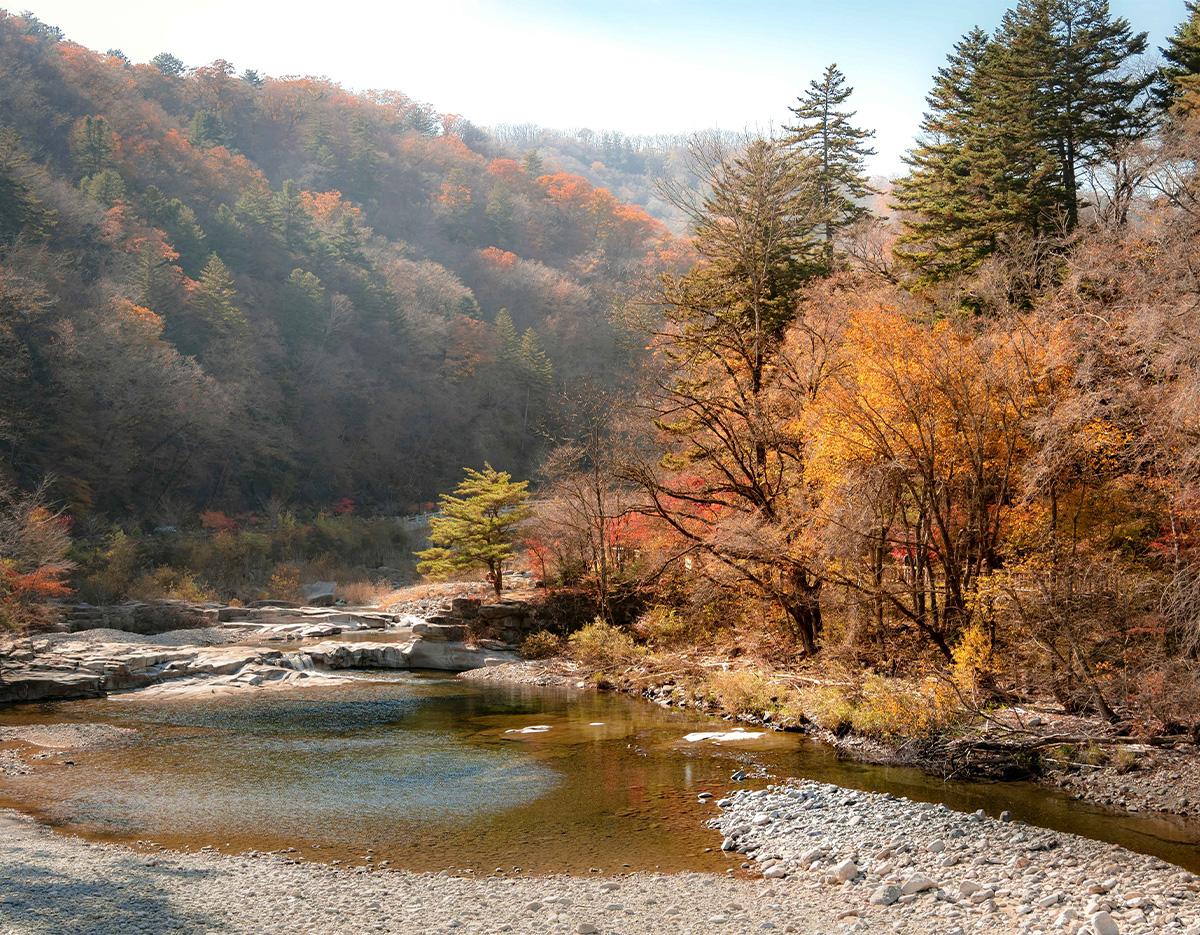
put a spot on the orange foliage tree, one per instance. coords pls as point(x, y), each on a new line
point(34, 540)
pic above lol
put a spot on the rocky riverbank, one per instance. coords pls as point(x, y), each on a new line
point(1113, 770)
point(240, 650)
point(821, 860)
point(894, 860)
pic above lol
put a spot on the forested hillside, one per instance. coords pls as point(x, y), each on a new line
point(956, 444)
point(218, 290)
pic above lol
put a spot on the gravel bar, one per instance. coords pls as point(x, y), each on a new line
point(831, 861)
point(892, 861)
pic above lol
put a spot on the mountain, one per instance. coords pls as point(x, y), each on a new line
point(219, 290)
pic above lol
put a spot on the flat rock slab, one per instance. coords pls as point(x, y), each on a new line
point(439, 631)
point(49, 685)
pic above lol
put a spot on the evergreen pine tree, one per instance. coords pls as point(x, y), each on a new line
point(944, 202)
point(1062, 71)
point(835, 152)
point(1013, 122)
point(476, 526)
point(294, 225)
point(1179, 79)
point(534, 362)
point(305, 303)
point(91, 146)
point(216, 316)
point(535, 373)
point(207, 130)
point(533, 164)
point(168, 64)
point(107, 187)
point(507, 344)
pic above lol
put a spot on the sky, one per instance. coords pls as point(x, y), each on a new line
point(639, 66)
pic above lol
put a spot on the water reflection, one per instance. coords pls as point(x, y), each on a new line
point(435, 773)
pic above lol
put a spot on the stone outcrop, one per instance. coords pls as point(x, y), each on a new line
point(466, 634)
point(504, 621)
point(455, 656)
point(271, 621)
point(145, 617)
point(443, 655)
point(282, 619)
point(318, 593)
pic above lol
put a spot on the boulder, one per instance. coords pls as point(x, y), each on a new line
point(439, 631)
point(846, 870)
point(49, 684)
point(335, 655)
point(885, 895)
point(318, 593)
point(504, 609)
point(917, 883)
point(451, 656)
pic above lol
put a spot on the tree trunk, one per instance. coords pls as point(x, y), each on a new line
point(803, 608)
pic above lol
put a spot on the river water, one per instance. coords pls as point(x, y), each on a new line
point(432, 773)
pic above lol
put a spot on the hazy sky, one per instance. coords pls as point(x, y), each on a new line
point(641, 66)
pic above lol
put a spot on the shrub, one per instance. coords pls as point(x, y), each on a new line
point(826, 706)
point(973, 669)
point(1125, 760)
point(363, 593)
point(541, 645)
point(898, 709)
point(744, 691)
point(284, 583)
point(665, 627)
point(883, 708)
point(33, 546)
point(111, 570)
point(602, 646)
point(169, 583)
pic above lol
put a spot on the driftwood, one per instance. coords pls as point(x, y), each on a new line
point(1053, 740)
point(1016, 756)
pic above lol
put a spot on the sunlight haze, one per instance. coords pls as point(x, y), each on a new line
point(641, 68)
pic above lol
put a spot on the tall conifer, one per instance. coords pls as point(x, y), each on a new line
point(1179, 80)
point(834, 151)
point(1015, 121)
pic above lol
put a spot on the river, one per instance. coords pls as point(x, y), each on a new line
point(428, 772)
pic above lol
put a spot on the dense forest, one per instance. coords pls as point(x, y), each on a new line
point(223, 289)
point(957, 434)
point(960, 439)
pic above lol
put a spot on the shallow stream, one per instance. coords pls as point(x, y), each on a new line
point(429, 772)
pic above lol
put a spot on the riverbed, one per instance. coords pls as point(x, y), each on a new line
point(426, 772)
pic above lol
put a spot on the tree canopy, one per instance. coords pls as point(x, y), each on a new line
point(477, 526)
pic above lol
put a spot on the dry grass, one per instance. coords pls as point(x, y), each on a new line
point(364, 593)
